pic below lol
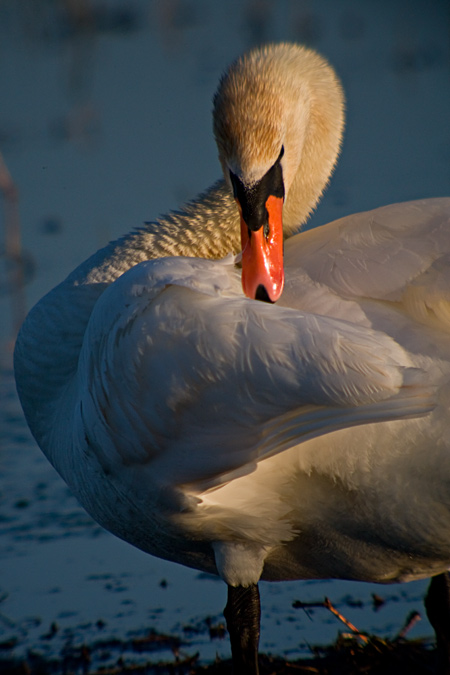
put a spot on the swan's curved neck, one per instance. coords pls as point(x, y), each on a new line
point(321, 143)
point(206, 227)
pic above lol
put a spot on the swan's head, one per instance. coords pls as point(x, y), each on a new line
point(278, 120)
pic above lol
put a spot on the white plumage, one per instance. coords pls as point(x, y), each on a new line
point(305, 439)
point(200, 411)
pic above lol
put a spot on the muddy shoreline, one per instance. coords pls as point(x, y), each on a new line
point(347, 656)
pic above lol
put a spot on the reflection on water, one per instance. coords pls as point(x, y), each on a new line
point(104, 123)
point(15, 266)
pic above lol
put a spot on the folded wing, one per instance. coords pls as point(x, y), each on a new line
point(193, 379)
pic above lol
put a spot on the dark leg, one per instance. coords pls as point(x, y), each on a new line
point(437, 604)
point(243, 615)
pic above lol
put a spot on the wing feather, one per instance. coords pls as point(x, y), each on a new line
point(198, 381)
point(374, 254)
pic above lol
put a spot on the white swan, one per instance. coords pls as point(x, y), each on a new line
point(299, 440)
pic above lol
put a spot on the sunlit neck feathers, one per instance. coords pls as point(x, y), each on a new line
point(281, 96)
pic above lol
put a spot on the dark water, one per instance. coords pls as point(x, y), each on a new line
point(105, 123)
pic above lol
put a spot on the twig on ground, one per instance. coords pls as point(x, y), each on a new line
point(355, 631)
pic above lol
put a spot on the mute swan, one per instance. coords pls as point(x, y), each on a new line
point(306, 439)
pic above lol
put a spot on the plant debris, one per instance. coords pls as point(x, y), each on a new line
point(353, 653)
point(347, 656)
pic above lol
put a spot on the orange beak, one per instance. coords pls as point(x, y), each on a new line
point(262, 254)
